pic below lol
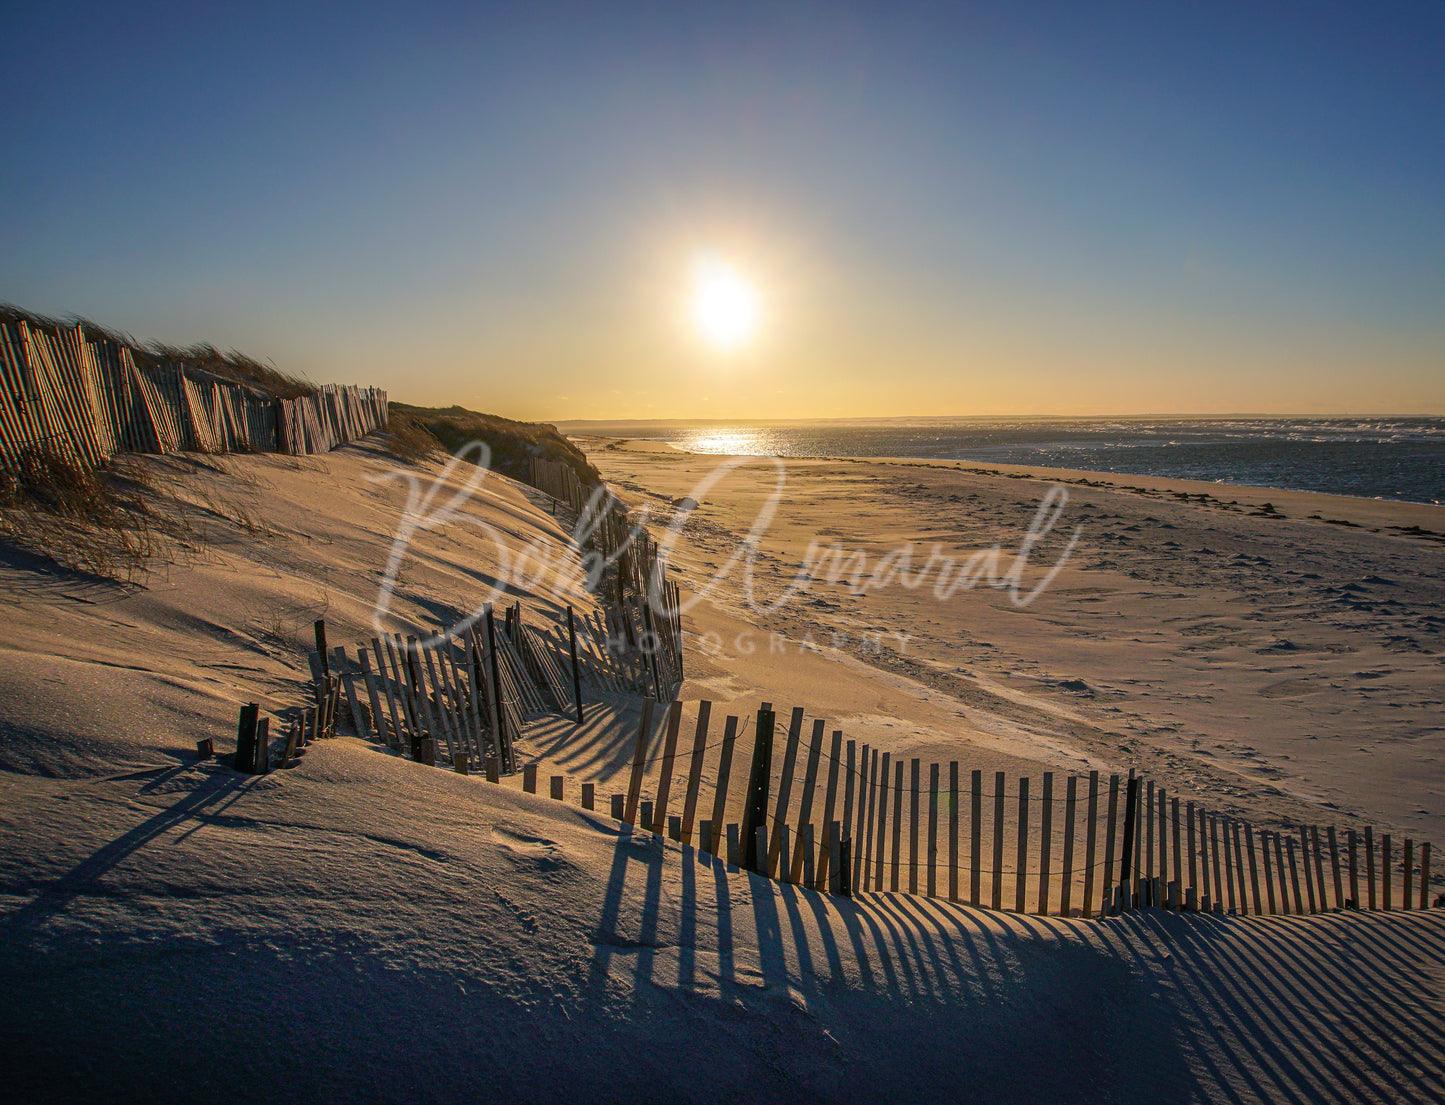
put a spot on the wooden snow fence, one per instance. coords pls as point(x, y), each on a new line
point(88, 400)
point(805, 806)
point(643, 622)
point(255, 751)
point(332, 415)
point(462, 696)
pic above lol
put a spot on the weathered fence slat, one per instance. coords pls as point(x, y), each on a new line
point(830, 798)
point(915, 800)
point(1046, 840)
point(694, 768)
point(785, 788)
point(639, 763)
point(998, 800)
point(896, 869)
point(932, 881)
point(755, 809)
point(953, 830)
point(881, 785)
point(669, 758)
point(1066, 888)
point(724, 774)
point(1022, 865)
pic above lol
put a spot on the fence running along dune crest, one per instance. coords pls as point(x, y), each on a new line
point(88, 400)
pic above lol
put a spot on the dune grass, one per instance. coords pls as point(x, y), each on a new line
point(513, 444)
point(231, 365)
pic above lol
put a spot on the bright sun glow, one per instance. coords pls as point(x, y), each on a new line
point(724, 305)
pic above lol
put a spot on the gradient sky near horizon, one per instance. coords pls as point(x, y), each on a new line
point(953, 209)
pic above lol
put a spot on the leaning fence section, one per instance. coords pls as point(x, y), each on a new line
point(640, 604)
point(88, 400)
point(462, 695)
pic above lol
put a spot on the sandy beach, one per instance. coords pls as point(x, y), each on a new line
point(365, 927)
point(1274, 654)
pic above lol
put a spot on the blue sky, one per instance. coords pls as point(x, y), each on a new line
point(1022, 209)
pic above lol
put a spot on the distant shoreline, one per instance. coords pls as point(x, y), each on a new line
point(1395, 460)
point(1359, 509)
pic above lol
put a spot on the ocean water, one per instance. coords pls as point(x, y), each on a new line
point(1395, 458)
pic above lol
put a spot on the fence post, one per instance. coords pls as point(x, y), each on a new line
point(853, 793)
point(1294, 876)
point(1091, 835)
point(245, 758)
point(669, 758)
point(953, 830)
point(1425, 875)
point(803, 867)
point(576, 671)
point(1386, 872)
point(896, 873)
point(320, 629)
point(1214, 859)
point(1407, 898)
point(1353, 847)
point(830, 801)
point(998, 800)
point(975, 844)
point(915, 800)
point(1066, 890)
point(694, 769)
point(755, 809)
point(1335, 866)
point(639, 762)
point(1147, 871)
point(1021, 865)
point(1304, 852)
point(1319, 867)
point(1280, 876)
point(1370, 864)
point(1164, 835)
point(263, 746)
point(724, 774)
point(785, 792)
point(1178, 858)
point(1268, 874)
point(1109, 835)
point(1046, 839)
point(880, 846)
point(1131, 804)
point(932, 880)
point(494, 701)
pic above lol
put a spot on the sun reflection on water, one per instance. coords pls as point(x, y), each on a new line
point(729, 442)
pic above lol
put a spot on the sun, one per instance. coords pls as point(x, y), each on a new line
point(724, 306)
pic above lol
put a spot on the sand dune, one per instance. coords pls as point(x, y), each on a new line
point(364, 928)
